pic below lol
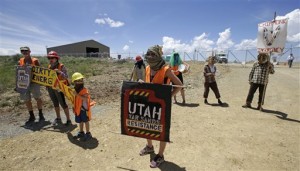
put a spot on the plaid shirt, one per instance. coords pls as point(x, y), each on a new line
point(259, 73)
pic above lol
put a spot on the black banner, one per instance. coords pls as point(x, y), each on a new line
point(146, 110)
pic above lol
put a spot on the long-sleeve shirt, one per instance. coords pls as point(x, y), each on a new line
point(209, 69)
point(259, 73)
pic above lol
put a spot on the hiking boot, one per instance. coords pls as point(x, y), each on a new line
point(56, 122)
point(79, 135)
point(205, 101)
point(157, 161)
point(30, 120)
point(247, 105)
point(220, 102)
point(88, 136)
point(147, 150)
point(68, 123)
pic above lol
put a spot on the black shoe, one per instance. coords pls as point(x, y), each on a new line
point(56, 122)
point(220, 102)
point(68, 123)
point(30, 120)
point(205, 101)
point(79, 135)
point(41, 118)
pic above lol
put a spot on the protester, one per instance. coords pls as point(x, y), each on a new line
point(33, 89)
point(160, 73)
point(210, 81)
point(175, 61)
point(57, 97)
point(82, 106)
point(258, 78)
point(138, 71)
point(290, 59)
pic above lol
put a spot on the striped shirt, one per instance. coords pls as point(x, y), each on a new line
point(259, 73)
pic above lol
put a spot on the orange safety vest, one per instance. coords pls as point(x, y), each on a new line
point(65, 81)
point(78, 103)
point(22, 61)
point(159, 77)
point(175, 68)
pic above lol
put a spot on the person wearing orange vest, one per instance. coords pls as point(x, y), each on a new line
point(175, 61)
point(34, 88)
point(57, 97)
point(158, 72)
point(82, 107)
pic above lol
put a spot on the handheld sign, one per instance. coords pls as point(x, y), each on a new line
point(146, 110)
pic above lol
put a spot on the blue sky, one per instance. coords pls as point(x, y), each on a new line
point(134, 25)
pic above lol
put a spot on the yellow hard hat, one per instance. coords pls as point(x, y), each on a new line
point(76, 76)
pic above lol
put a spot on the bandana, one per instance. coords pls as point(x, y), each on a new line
point(154, 57)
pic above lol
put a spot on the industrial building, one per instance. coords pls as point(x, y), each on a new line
point(88, 48)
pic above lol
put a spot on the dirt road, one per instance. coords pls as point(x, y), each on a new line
point(204, 137)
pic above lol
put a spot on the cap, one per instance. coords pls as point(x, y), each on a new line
point(24, 48)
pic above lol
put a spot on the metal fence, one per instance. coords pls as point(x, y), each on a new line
point(233, 56)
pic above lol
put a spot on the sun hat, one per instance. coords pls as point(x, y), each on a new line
point(24, 48)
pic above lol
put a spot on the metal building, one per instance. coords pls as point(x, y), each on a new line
point(88, 48)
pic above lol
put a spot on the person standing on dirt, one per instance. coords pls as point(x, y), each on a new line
point(160, 73)
point(210, 81)
point(33, 89)
point(82, 107)
point(138, 71)
point(57, 97)
point(290, 60)
point(258, 79)
point(175, 61)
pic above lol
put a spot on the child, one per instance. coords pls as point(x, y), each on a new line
point(82, 108)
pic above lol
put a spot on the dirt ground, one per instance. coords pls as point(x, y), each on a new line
point(204, 137)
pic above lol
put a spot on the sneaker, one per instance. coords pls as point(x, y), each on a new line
point(56, 121)
point(68, 123)
point(88, 136)
point(79, 135)
point(205, 101)
point(157, 161)
point(147, 150)
point(30, 120)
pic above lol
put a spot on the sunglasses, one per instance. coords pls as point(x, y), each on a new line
point(24, 51)
point(51, 58)
point(150, 54)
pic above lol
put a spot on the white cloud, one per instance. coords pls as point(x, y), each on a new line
point(198, 42)
point(109, 21)
point(130, 41)
point(293, 28)
point(246, 44)
point(224, 42)
point(96, 32)
point(126, 47)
